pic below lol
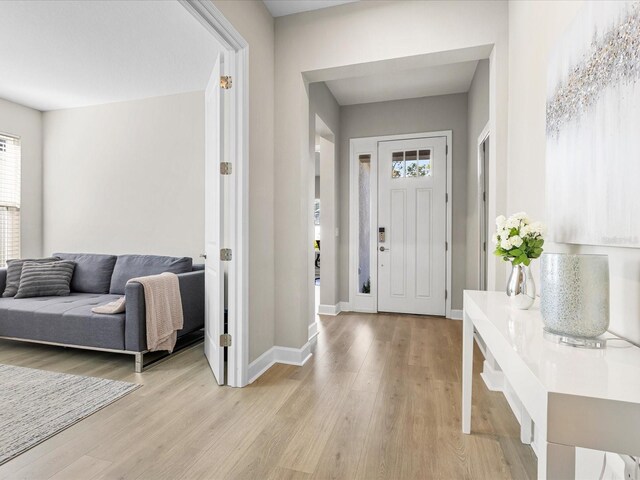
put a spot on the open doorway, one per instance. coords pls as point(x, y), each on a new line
point(325, 219)
point(448, 95)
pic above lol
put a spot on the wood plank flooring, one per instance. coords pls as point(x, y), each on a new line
point(380, 399)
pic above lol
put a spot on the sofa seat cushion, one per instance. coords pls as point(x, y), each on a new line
point(67, 320)
point(132, 266)
point(93, 271)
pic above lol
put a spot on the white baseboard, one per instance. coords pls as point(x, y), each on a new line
point(313, 330)
point(455, 315)
point(329, 309)
point(286, 355)
point(345, 307)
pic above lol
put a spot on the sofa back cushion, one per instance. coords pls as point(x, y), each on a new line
point(132, 266)
point(93, 271)
point(14, 271)
point(45, 279)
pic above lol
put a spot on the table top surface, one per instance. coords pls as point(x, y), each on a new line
point(612, 373)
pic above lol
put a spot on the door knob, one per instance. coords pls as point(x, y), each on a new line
point(203, 255)
point(383, 249)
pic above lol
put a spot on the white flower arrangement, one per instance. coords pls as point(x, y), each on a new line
point(517, 239)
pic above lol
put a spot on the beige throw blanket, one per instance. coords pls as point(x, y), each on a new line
point(111, 308)
point(163, 310)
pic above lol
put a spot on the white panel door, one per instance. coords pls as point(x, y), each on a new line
point(214, 194)
point(412, 185)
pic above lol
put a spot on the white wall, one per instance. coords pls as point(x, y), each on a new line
point(254, 22)
point(346, 35)
point(478, 117)
point(126, 177)
point(427, 114)
point(27, 124)
point(534, 27)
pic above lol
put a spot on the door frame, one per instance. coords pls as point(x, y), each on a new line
point(361, 302)
point(236, 61)
point(483, 210)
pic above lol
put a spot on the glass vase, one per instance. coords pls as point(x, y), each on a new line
point(521, 288)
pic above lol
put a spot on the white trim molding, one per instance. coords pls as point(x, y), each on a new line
point(455, 315)
point(284, 355)
point(313, 330)
point(329, 309)
point(236, 61)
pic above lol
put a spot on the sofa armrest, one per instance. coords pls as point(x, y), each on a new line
point(135, 328)
point(3, 280)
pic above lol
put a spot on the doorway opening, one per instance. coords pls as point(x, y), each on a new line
point(325, 218)
point(227, 200)
point(400, 223)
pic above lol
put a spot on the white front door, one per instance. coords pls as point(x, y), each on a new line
point(412, 184)
point(214, 194)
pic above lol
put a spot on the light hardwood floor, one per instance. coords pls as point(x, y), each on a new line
point(380, 399)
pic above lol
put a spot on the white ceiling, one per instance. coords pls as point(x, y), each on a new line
point(280, 8)
point(63, 54)
point(398, 85)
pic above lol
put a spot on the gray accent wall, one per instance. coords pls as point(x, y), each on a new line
point(427, 114)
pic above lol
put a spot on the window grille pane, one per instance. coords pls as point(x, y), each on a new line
point(364, 224)
point(9, 198)
point(424, 163)
point(397, 165)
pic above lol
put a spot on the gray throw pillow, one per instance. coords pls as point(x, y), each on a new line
point(14, 270)
point(132, 266)
point(45, 279)
point(92, 273)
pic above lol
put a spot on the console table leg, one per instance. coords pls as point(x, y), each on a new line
point(526, 426)
point(467, 372)
point(557, 463)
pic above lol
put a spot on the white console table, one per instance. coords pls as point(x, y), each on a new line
point(575, 397)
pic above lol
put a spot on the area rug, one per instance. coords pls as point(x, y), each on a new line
point(36, 404)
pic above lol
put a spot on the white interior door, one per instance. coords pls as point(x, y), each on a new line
point(214, 194)
point(412, 185)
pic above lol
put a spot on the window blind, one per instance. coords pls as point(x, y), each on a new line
point(10, 157)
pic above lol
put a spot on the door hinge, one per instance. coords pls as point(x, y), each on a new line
point(484, 246)
point(446, 198)
point(484, 144)
point(446, 294)
point(447, 150)
point(226, 168)
point(446, 246)
point(484, 196)
point(225, 254)
point(226, 82)
point(225, 340)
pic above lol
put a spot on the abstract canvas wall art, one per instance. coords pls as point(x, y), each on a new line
point(593, 128)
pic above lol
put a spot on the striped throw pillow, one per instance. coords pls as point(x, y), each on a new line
point(45, 279)
point(14, 270)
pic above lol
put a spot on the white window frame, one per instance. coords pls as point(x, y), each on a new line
point(368, 302)
point(18, 208)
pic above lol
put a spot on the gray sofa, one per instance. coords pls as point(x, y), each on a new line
point(100, 279)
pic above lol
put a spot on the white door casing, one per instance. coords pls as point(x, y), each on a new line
point(214, 223)
point(412, 208)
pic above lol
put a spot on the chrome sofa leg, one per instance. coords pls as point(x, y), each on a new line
point(139, 362)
